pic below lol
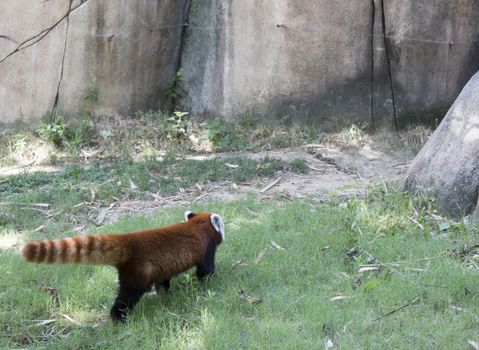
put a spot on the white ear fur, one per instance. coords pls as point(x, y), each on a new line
point(218, 224)
point(187, 213)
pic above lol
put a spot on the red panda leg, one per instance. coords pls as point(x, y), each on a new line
point(125, 301)
point(132, 287)
point(207, 266)
point(162, 286)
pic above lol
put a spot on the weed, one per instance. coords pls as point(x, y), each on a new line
point(54, 132)
point(248, 121)
point(299, 166)
point(172, 127)
point(416, 136)
point(60, 134)
point(173, 91)
point(92, 91)
point(80, 136)
point(354, 136)
point(175, 127)
point(225, 136)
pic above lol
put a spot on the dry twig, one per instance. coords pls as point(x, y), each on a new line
point(413, 302)
point(272, 184)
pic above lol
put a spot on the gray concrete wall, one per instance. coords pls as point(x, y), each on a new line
point(131, 47)
point(313, 60)
point(320, 61)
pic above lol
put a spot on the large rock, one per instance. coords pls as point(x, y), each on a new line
point(448, 164)
point(313, 60)
point(131, 47)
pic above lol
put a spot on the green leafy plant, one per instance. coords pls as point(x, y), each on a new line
point(225, 136)
point(92, 92)
point(79, 136)
point(354, 135)
point(175, 127)
point(299, 166)
point(173, 91)
point(60, 134)
point(53, 132)
point(248, 120)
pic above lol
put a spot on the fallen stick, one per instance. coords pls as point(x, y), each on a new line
point(314, 168)
point(38, 205)
point(274, 183)
point(415, 300)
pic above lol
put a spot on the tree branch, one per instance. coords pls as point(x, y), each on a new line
point(39, 36)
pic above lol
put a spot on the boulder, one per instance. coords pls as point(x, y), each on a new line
point(448, 164)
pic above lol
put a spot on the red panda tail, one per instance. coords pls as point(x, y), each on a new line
point(101, 249)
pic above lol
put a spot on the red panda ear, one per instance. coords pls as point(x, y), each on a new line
point(189, 215)
point(218, 224)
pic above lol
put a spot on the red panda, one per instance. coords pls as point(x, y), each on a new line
point(142, 258)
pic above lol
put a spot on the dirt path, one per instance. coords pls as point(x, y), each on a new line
point(332, 172)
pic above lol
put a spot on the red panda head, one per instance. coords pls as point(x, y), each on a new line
point(215, 220)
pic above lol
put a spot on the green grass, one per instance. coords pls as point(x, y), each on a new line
point(295, 284)
point(105, 183)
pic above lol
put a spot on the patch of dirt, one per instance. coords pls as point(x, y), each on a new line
point(332, 172)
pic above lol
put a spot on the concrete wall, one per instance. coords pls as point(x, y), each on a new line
point(313, 60)
point(320, 61)
point(131, 47)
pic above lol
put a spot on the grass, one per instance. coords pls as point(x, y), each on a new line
point(104, 183)
point(325, 245)
point(153, 133)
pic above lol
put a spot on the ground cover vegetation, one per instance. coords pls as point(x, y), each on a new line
point(58, 140)
point(383, 271)
point(379, 271)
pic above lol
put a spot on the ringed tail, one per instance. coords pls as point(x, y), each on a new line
point(99, 249)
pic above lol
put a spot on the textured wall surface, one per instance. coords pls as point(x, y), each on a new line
point(371, 60)
point(315, 60)
point(448, 164)
point(131, 47)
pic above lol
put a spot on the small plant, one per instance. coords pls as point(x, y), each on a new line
point(416, 136)
point(149, 114)
point(354, 136)
point(79, 136)
point(175, 127)
point(173, 91)
point(224, 136)
point(60, 134)
point(248, 121)
point(282, 139)
point(220, 131)
point(54, 132)
point(269, 166)
point(91, 93)
point(299, 166)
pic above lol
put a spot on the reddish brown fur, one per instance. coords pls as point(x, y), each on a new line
point(142, 258)
point(164, 251)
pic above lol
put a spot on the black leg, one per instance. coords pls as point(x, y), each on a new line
point(124, 302)
point(162, 286)
point(207, 266)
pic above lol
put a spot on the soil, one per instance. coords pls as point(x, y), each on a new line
point(333, 172)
